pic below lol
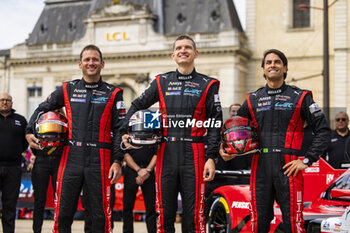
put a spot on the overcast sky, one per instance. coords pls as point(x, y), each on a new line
point(18, 18)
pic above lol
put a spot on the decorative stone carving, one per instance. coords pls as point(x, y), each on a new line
point(120, 10)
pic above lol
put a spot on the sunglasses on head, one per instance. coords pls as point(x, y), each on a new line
point(340, 119)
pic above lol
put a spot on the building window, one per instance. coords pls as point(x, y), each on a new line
point(34, 91)
point(301, 17)
point(34, 99)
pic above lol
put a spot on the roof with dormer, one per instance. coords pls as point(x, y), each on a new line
point(63, 20)
point(5, 53)
point(60, 21)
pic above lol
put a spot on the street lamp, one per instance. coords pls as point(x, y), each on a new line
point(325, 60)
point(306, 6)
point(325, 71)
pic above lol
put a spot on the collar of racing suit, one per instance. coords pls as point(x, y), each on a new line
point(93, 84)
point(185, 76)
point(275, 91)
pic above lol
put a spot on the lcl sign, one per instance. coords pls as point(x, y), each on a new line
point(116, 36)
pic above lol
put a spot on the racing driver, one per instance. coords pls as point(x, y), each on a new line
point(94, 111)
point(279, 112)
point(184, 96)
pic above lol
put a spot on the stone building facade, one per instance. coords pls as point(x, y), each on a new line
point(282, 25)
point(136, 39)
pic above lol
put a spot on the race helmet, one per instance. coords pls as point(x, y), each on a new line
point(144, 128)
point(239, 136)
point(51, 128)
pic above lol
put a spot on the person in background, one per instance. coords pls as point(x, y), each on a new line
point(139, 172)
point(339, 147)
point(45, 168)
point(238, 163)
point(12, 144)
point(234, 109)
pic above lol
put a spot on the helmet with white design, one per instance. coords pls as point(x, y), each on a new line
point(144, 128)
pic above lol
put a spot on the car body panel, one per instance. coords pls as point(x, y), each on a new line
point(318, 178)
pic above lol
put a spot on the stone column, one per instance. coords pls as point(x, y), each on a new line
point(341, 55)
point(250, 31)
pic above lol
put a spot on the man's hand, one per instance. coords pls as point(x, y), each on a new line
point(33, 141)
point(144, 174)
point(139, 180)
point(125, 140)
point(209, 170)
point(294, 167)
point(224, 155)
point(114, 172)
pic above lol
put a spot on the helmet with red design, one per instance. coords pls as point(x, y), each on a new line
point(239, 136)
point(51, 128)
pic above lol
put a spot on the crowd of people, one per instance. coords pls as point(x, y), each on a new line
point(185, 160)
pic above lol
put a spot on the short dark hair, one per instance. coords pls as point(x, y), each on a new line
point(185, 37)
point(91, 47)
point(281, 56)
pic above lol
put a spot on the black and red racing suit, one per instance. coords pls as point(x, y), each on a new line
point(94, 113)
point(280, 115)
point(181, 156)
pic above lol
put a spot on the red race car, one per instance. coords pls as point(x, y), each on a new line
point(326, 194)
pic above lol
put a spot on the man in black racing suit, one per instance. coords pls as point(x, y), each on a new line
point(183, 96)
point(94, 111)
point(279, 112)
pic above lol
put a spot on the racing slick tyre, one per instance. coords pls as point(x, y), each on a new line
point(219, 220)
